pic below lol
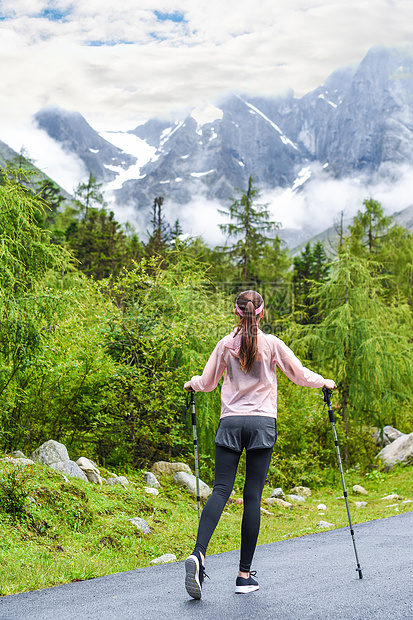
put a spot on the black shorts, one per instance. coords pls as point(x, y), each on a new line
point(252, 432)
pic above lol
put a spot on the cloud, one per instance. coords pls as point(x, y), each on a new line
point(199, 218)
point(64, 168)
point(322, 199)
point(116, 61)
point(303, 214)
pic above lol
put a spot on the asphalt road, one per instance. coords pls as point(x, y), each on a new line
point(309, 577)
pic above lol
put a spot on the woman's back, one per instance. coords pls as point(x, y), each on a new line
point(253, 392)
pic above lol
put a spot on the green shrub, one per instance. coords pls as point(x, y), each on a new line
point(13, 493)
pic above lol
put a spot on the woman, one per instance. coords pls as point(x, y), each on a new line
point(248, 420)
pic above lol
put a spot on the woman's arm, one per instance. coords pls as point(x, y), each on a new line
point(213, 371)
point(293, 368)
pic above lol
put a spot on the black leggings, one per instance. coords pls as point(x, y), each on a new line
point(226, 463)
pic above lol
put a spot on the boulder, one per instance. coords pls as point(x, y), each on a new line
point(17, 454)
point(303, 491)
point(85, 463)
point(122, 480)
point(183, 479)
point(151, 491)
point(164, 559)
point(50, 452)
point(90, 470)
point(392, 433)
point(392, 497)
point(271, 501)
point(388, 435)
point(296, 498)
point(70, 468)
point(361, 504)
point(140, 524)
point(163, 468)
point(23, 462)
point(324, 524)
point(278, 492)
point(399, 451)
point(359, 490)
point(321, 507)
point(151, 480)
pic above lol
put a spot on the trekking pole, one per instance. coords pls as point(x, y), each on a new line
point(327, 400)
point(191, 404)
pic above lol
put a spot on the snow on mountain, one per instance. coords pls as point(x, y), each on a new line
point(303, 176)
point(206, 113)
point(284, 140)
point(131, 144)
point(76, 136)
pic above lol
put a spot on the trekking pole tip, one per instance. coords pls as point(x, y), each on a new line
point(358, 569)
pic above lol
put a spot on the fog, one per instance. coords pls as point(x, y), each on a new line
point(316, 206)
point(48, 155)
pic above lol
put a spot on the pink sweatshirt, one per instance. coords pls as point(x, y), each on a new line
point(254, 393)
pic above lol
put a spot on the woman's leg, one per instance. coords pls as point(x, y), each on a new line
point(257, 464)
point(226, 463)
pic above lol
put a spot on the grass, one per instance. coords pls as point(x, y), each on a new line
point(67, 531)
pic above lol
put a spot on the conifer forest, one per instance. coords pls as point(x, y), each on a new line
point(100, 329)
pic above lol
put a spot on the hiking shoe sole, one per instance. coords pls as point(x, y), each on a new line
point(192, 584)
point(246, 589)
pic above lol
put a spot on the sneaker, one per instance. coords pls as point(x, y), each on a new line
point(243, 586)
point(195, 573)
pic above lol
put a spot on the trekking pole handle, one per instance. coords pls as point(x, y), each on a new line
point(192, 404)
point(327, 399)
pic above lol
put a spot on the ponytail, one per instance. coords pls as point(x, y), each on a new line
point(249, 305)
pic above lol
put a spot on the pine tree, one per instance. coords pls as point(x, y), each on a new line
point(89, 194)
point(368, 228)
point(101, 246)
point(176, 231)
point(311, 266)
point(396, 258)
point(160, 236)
point(248, 223)
point(361, 342)
point(49, 192)
point(21, 169)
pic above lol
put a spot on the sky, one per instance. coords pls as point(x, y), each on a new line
point(119, 63)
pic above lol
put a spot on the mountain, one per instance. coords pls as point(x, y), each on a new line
point(33, 177)
point(372, 125)
point(7, 154)
point(222, 152)
point(357, 125)
point(359, 122)
point(74, 133)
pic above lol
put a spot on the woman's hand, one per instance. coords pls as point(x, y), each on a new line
point(188, 386)
point(330, 384)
